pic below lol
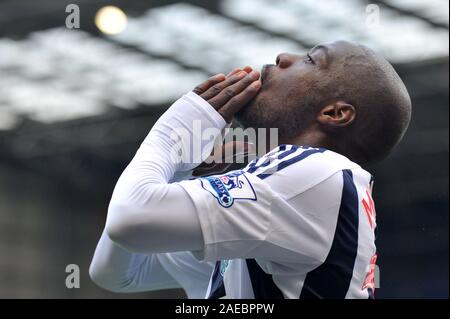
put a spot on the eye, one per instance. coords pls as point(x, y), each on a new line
point(309, 59)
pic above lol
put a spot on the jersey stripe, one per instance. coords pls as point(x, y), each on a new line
point(332, 278)
point(217, 286)
point(288, 152)
point(262, 283)
point(291, 161)
point(252, 166)
point(269, 158)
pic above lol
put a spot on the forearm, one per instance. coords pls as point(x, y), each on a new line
point(143, 202)
point(146, 213)
point(118, 270)
point(113, 267)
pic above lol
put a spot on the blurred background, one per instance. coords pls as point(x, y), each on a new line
point(76, 103)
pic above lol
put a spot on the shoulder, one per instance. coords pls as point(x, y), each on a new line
point(290, 170)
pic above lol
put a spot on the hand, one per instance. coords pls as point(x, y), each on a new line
point(228, 94)
point(239, 153)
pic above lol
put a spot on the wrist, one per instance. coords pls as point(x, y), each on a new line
point(186, 132)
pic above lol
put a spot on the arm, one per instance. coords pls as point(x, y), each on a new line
point(118, 270)
point(143, 185)
point(115, 268)
point(146, 213)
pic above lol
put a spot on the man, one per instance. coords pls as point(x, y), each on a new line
point(298, 222)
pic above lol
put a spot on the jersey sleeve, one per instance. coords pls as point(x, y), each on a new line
point(190, 273)
point(234, 214)
point(247, 215)
point(118, 270)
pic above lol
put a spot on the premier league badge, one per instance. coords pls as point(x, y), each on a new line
point(228, 188)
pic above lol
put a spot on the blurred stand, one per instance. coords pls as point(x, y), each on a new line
point(75, 105)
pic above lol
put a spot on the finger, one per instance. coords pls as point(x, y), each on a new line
point(229, 153)
point(202, 88)
point(234, 72)
point(217, 88)
point(235, 152)
point(213, 168)
point(247, 69)
point(239, 101)
point(228, 93)
point(231, 150)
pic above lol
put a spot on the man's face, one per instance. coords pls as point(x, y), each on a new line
point(295, 87)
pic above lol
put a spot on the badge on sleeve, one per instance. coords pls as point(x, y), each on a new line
point(229, 187)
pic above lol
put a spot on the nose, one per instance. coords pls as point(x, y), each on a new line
point(285, 60)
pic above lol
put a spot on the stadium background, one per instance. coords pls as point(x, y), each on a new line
point(75, 104)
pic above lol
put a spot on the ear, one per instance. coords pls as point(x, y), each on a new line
point(337, 114)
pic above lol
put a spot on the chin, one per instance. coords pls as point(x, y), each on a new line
point(249, 115)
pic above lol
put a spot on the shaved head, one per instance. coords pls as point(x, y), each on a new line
point(340, 95)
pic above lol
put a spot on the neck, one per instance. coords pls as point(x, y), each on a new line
point(313, 138)
point(318, 138)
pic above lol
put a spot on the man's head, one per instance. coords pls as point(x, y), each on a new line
point(341, 95)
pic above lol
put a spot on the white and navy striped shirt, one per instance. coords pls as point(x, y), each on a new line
point(307, 216)
point(299, 222)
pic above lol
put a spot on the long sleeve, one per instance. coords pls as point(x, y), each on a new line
point(147, 214)
point(116, 269)
point(131, 264)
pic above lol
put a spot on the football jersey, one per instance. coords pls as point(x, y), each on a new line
point(296, 223)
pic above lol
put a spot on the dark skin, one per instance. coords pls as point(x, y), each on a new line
point(340, 95)
point(228, 94)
